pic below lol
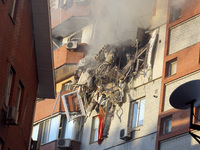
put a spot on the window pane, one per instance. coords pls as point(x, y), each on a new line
point(167, 123)
point(18, 95)
point(141, 113)
point(54, 127)
point(45, 132)
point(135, 114)
point(35, 132)
point(173, 68)
point(95, 125)
point(69, 129)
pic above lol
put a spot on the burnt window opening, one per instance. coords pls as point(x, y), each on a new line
point(175, 13)
point(171, 67)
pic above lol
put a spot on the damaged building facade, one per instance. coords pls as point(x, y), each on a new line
point(119, 97)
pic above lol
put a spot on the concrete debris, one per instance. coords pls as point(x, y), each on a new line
point(102, 79)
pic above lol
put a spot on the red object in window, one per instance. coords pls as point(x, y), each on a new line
point(101, 116)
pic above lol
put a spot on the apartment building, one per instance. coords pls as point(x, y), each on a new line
point(181, 65)
point(26, 68)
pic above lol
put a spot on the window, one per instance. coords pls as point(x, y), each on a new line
point(137, 113)
point(171, 66)
point(94, 131)
point(19, 93)
point(50, 130)
point(12, 8)
point(166, 125)
point(73, 105)
point(8, 87)
point(175, 11)
point(35, 132)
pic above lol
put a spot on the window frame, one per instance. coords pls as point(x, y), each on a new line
point(9, 86)
point(164, 123)
point(67, 111)
point(19, 95)
point(92, 137)
point(46, 130)
point(169, 67)
point(12, 10)
point(138, 111)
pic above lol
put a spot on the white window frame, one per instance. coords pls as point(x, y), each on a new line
point(80, 102)
point(137, 113)
point(94, 130)
point(9, 86)
point(45, 139)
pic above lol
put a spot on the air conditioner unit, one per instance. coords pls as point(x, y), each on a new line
point(125, 134)
point(12, 115)
point(63, 143)
point(72, 45)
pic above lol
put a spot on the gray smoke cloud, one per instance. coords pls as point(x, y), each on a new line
point(118, 20)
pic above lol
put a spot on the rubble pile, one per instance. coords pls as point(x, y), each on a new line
point(102, 79)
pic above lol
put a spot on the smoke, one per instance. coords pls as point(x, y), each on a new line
point(118, 20)
point(178, 3)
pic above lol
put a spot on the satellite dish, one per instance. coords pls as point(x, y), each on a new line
point(182, 96)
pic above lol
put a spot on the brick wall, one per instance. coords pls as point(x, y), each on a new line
point(187, 69)
point(17, 49)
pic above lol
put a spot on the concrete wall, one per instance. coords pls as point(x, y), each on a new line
point(181, 142)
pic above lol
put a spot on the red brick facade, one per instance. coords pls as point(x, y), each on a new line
point(17, 50)
point(187, 62)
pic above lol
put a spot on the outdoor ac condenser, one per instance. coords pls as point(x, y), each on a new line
point(125, 134)
point(72, 45)
point(63, 143)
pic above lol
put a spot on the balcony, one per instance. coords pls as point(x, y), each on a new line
point(69, 17)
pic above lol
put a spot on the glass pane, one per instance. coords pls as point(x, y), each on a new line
point(135, 112)
point(173, 68)
point(54, 127)
point(45, 132)
point(69, 129)
point(35, 132)
point(141, 113)
point(95, 126)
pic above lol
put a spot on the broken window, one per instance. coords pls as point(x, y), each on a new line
point(175, 11)
point(94, 130)
point(137, 113)
point(166, 125)
point(73, 105)
point(171, 67)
